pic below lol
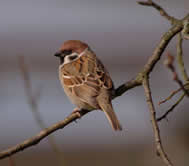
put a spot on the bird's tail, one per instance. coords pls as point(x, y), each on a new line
point(110, 115)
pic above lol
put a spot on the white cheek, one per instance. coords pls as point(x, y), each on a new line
point(66, 60)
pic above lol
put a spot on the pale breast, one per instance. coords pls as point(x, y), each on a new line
point(76, 100)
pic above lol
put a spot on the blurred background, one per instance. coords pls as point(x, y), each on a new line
point(123, 35)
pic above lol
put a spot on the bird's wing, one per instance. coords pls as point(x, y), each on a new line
point(86, 77)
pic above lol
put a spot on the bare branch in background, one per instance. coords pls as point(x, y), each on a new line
point(180, 62)
point(142, 78)
point(169, 63)
point(33, 103)
point(164, 116)
point(172, 94)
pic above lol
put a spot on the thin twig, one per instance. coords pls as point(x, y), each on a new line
point(170, 96)
point(162, 12)
point(164, 116)
point(173, 94)
point(169, 63)
point(156, 130)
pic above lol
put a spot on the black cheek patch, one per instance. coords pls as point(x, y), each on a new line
point(73, 57)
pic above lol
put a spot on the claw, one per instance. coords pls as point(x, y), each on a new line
point(77, 111)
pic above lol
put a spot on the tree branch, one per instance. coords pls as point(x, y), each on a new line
point(185, 31)
point(164, 116)
point(162, 12)
point(44, 133)
point(156, 130)
point(148, 67)
point(180, 58)
point(173, 94)
point(127, 86)
point(161, 47)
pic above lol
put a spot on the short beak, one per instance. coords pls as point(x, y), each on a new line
point(58, 54)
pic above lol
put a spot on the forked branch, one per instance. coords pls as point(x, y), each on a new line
point(162, 11)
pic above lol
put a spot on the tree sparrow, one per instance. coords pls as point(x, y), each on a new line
point(85, 80)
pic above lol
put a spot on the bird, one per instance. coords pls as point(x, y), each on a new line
point(85, 80)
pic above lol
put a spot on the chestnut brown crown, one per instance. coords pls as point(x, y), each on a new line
point(74, 45)
point(71, 46)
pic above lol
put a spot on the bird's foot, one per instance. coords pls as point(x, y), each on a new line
point(77, 111)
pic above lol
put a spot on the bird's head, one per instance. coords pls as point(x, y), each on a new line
point(70, 51)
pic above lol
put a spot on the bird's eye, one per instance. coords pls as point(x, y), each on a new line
point(67, 52)
point(72, 57)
